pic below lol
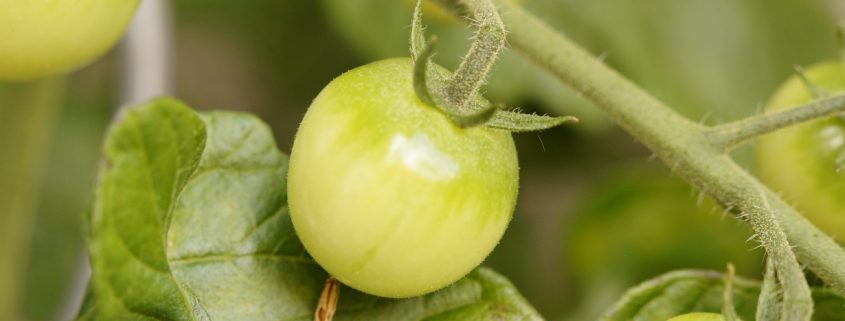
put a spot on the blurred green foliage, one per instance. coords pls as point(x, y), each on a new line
point(27, 115)
point(286, 48)
point(637, 223)
point(62, 159)
point(65, 189)
point(713, 59)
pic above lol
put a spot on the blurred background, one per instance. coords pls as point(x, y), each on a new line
point(595, 215)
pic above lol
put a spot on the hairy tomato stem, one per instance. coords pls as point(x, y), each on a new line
point(727, 136)
point(688, 149)
point(457, 95)
point(479, 60)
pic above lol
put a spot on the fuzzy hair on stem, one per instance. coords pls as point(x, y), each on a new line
point(694, 153)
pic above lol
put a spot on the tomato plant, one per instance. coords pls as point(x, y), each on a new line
point(403, 178)
point(513, 81)
point(390, 196)
point(42, 37)
point(807, 162)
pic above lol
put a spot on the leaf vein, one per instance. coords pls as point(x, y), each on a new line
point(233, 257)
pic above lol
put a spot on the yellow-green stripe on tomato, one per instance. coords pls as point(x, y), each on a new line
point(41, 38)
point(806, 162)
point(387, 194)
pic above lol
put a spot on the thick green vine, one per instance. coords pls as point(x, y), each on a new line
point(695, 152)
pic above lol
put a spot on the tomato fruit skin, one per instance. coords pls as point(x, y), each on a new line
point(699, 316)
point(387, 194)
point(41, 38)
point(806, 162)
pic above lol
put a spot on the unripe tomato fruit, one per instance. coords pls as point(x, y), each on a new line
point(40, 38)
point(807, 162)
point(387, 194)
point(699, 316)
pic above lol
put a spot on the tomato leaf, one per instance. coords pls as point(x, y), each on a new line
point(685, 291)
point(519, 122)
point(190, 222)
point(770, 303)
point(148, 158)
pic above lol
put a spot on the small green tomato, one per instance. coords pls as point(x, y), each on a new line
point(387, 194)
point(698, 316)
point(807, 162)
point(40, 38)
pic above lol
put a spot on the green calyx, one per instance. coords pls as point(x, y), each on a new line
point(457, 95)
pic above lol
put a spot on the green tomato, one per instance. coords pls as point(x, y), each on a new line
point(387, 194)
point(378, 29)
point(807, 162)
point(699, 316)
point(40, 38)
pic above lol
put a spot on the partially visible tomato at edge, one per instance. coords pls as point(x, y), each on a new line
point(387, 194)
point(42, 38)
point(806, 162)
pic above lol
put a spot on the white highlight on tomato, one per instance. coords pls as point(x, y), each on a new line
point(421, 156)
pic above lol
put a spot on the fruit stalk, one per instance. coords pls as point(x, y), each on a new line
point(728, 309)
point(727, 136)
point(327, 306)
point(489, 41)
